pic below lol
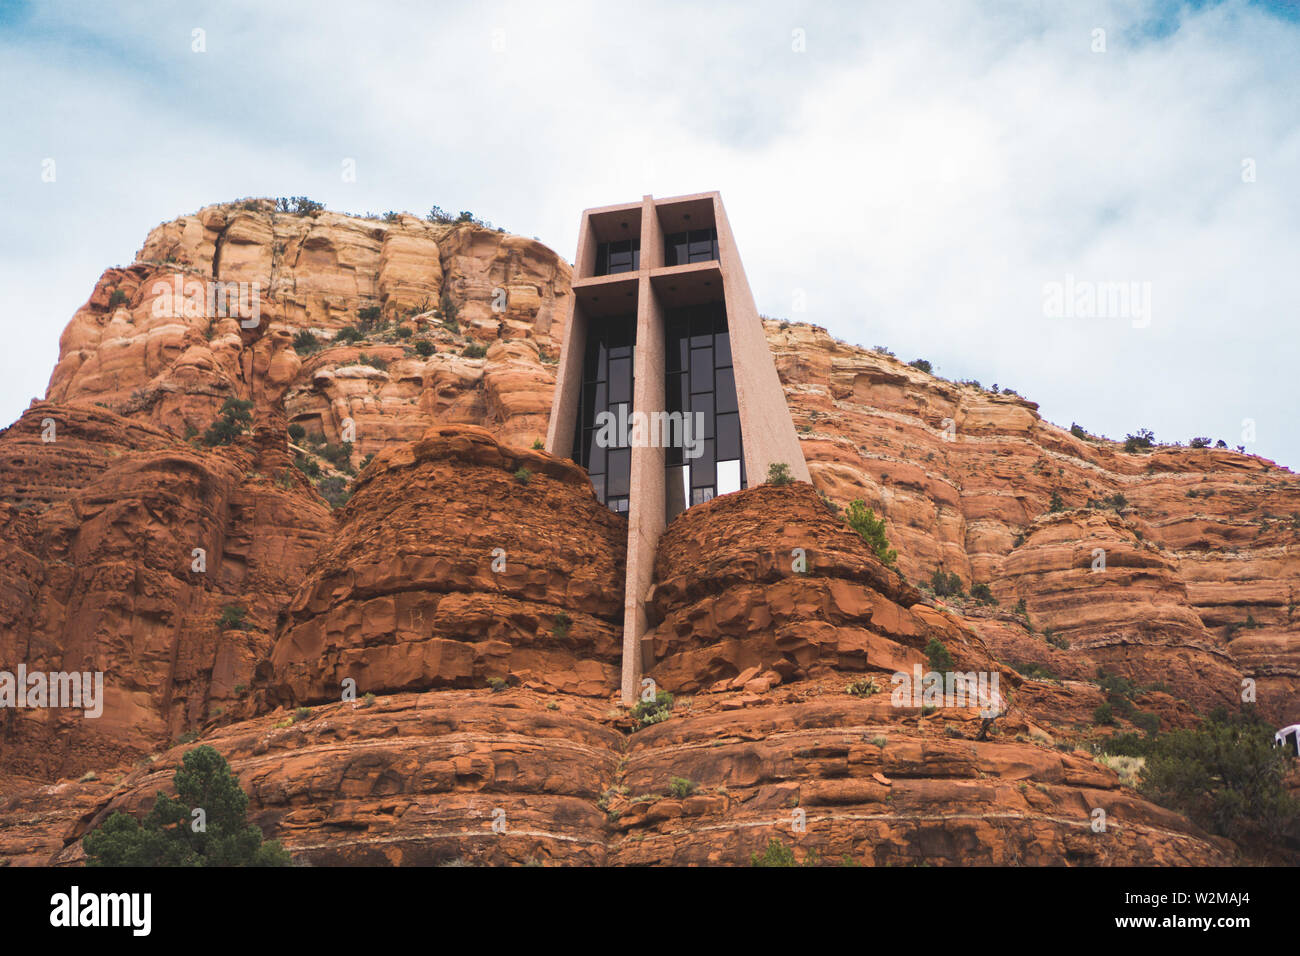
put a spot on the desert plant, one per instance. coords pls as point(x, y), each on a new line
point(871, 529)
point(424, 348)
point(305, 343)
point(938, 656)
point(232, 618)
point(167, 837)
point(775, 854)
point(334, 490)
point(1227, 776)
point(1141, 440)
point(921, 364)
point(864, 687)
point(297, 433)
point(236, 418)
point(681, 788)
point(474, 351)
point(523, 475)
point(946, 583)
point(658, 708)
point(778, 473)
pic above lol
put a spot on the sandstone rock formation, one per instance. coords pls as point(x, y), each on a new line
point(474, 586)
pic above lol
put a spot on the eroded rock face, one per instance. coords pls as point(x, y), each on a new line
point(101, 530)
point(545, 774)
point(1202, 543)
point(460, 560)
point(398, 589)
point(155, 341)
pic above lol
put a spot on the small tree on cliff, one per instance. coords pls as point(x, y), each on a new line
point(175, 834)
point(864, 521)
point(236, 418)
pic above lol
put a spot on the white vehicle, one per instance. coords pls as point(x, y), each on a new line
point(1288, 737)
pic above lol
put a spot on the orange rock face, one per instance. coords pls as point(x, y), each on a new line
point(475, 587)
point(459, 561)
point(1202, 543)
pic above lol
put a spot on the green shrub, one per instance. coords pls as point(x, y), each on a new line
point(1035, 671)
point(681, 788)
point(1200, 442)
point(1077, 432)
point(424, 348)
point(921, 364)
point(1104, 714)
point(938, 656)
point(299, 205)
point(449, 313)
point(232, 618)
point(404, 331)
point(308, 466)
point(474, 351)
point(118, 297)
point(560, 628)
point(1143, 440)
point(778, 473)
point(368, 316)
point(523, 475)
point(1056, 504)
point(776, 854)
point(497, 684)
point(1056, 640)
point(983, 593)
point(349, 333)
point(1116, 501)
point(297, 433)
point(334, 490)
point(864, 687)
point(236, 418)
point(871, 529)
point(305, 343)
point(167, 836)
point(1127, 744)
point(374, 361)
point(946, 583)
point(1227, 777)
point(302, 713)
point(340, 455)
point(539, 445)
point(653, 711)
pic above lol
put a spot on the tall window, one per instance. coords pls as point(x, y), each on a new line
point(607, 387)
point(698, 245)
point(701, 384)
point(621, 256)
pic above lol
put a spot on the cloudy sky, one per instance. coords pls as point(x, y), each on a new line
point(924, 176)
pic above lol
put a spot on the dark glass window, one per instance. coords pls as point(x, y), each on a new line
point(700, 381)
point(622, 255)
point(698, 245)
point(607, 388)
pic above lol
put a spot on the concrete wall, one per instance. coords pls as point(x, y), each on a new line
point(765, 423)
point(766, 427)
